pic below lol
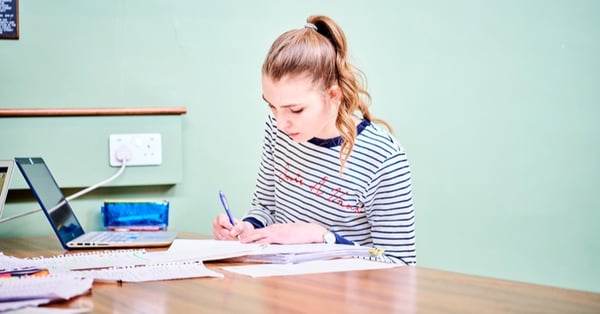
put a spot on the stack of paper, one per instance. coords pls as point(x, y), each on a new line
point(280, 259)
point(265, 253)
point(300, 253)
point(151, 272)
point(114, 265)
point(20, 292)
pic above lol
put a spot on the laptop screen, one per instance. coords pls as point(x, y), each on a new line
point(50, 198)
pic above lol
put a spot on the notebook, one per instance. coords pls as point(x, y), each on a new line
point(6, 168)
point(66, 225)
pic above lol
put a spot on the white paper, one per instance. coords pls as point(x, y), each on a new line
point(24, 306)
point(54, 287)
point(151, 273)
point(209, 250)
point(267, 253)
point(314, 267)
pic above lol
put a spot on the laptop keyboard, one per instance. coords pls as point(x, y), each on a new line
point(105, 237)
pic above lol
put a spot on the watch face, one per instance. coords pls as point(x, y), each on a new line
point(329, 237)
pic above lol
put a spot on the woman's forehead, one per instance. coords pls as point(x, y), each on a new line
point(290, 90)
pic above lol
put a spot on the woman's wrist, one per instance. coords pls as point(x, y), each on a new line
point(317, 236)
point(256, 224)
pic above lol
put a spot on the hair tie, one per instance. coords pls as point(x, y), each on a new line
point(311, 26)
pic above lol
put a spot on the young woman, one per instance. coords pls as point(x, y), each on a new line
point(328, 173)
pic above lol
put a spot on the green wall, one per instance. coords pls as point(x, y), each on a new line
point(496, 102)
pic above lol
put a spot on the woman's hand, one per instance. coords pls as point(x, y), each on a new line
point(284, 233)
point(223, 230)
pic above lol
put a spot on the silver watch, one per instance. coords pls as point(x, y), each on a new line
point(329, 237)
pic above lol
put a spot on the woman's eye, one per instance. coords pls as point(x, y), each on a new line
point(296, 111)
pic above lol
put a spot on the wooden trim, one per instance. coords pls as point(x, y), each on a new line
point(59, 112)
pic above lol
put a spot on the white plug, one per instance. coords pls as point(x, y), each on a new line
point(123, 154)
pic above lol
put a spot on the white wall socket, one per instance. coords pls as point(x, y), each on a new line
point(142, 149)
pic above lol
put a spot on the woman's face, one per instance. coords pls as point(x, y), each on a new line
point(302, 110)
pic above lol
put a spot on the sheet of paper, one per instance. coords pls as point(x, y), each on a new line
point(183, 251)
point(314, 267)
point(59, 286)
point(209, 245)
point(208, 250)
point(151, 273)
point(236, 246)
point(24, 305)
point(52, 310)
point(87, 260)
point(310, 248)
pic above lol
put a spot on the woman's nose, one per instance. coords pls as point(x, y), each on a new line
point(283, 121)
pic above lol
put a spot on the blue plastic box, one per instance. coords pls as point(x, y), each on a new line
point(135, 215)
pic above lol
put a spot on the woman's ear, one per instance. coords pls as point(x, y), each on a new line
point(334, 94)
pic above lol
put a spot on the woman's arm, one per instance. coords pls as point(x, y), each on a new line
point(262, 209)
point(390, 210)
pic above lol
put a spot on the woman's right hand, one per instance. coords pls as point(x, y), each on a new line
point(223, 230)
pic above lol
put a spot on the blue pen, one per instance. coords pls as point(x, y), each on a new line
point(226, 206)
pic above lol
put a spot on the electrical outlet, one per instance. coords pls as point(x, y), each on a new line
point(142, 149)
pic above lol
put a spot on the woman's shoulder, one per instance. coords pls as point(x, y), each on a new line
point(376, 148)
point(377, 137)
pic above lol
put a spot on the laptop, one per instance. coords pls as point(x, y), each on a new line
point(6, 169)
point(66, 225)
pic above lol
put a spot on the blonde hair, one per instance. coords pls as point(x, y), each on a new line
point(319, 50)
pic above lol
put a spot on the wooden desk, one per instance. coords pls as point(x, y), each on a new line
point(397, 290)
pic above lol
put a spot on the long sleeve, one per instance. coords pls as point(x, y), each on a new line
point(263, 207)
point(389, 207)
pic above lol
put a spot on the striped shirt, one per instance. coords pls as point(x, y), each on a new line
point(370, 204)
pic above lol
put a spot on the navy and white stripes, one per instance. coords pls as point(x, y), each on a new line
point(370, 204)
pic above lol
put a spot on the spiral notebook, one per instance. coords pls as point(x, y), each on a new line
point(66, 225)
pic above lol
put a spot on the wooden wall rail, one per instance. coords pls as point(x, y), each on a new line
point(58, 112)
